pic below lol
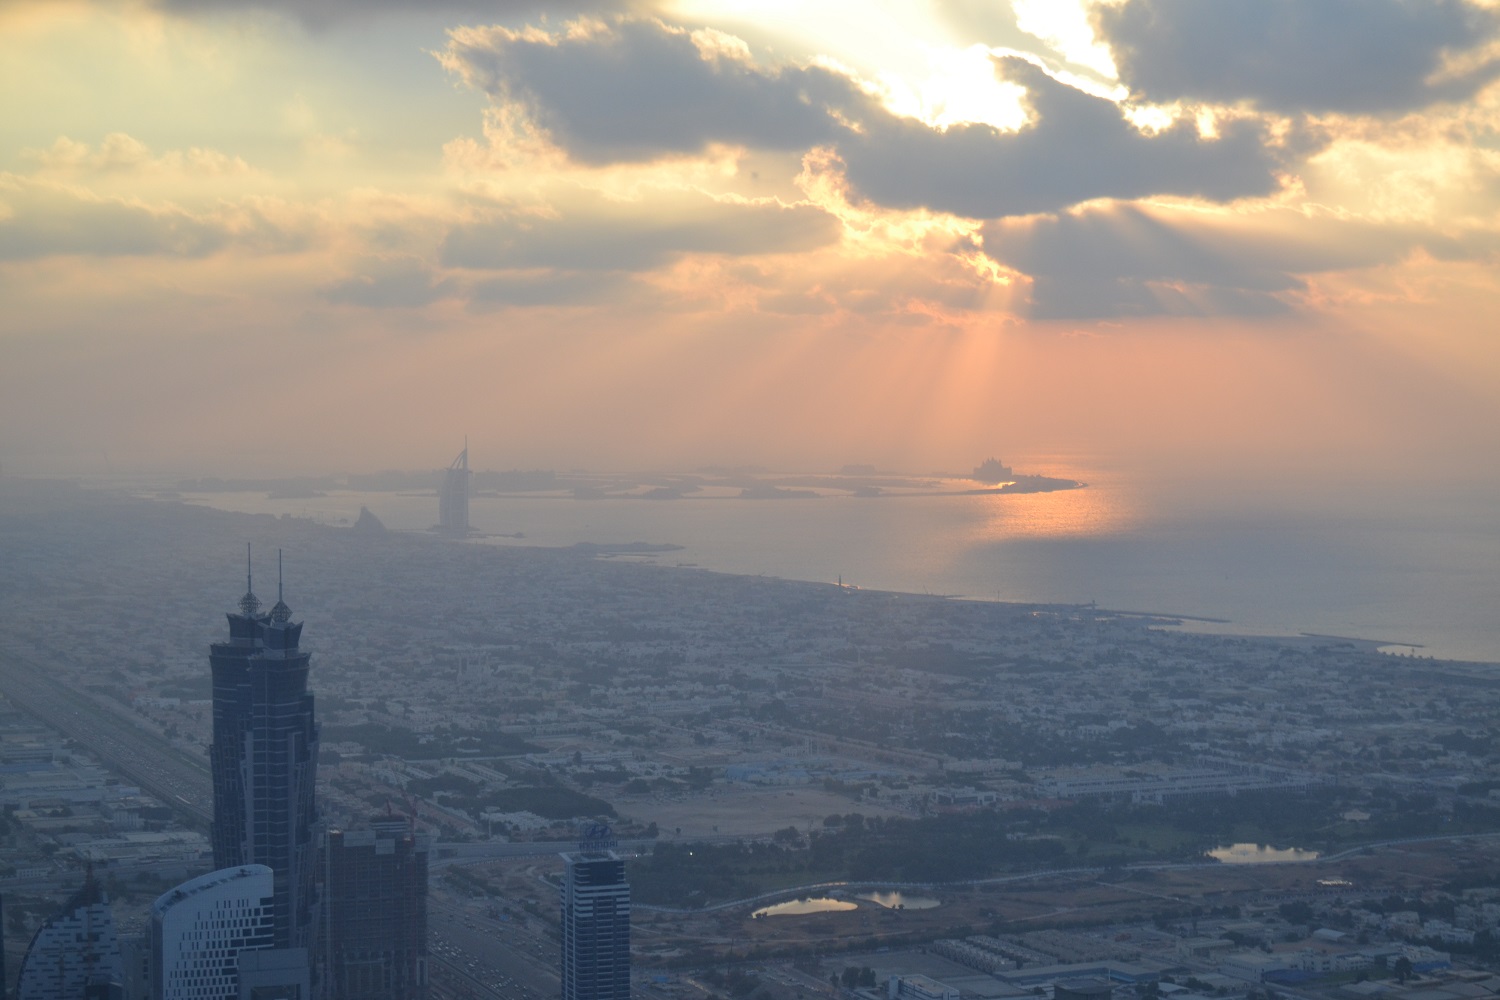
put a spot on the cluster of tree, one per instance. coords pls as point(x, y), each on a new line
point(677, 874)
point(855, 977)
point(547, 801)
point(953, 848)
point(934, 849)
point(736, 982)
point(410, 745)
point(949, 848)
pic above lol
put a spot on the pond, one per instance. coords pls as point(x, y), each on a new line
point(900, 900)
point(798, 907)
point(1259, 854)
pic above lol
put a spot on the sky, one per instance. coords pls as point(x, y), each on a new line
point(276, 237)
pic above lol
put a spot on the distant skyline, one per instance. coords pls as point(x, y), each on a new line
point(1249, 237)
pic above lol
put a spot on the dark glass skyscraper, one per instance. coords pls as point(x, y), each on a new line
point(376, 909)
point(264, 760)
point(595, 927)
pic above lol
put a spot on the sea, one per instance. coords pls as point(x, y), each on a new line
point(1414, 568)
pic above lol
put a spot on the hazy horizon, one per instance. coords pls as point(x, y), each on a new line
point(1231, 265)
point(1232, 260)
point(272, 238)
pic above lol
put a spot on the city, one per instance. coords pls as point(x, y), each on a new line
point(965, 796)
point(968, 500)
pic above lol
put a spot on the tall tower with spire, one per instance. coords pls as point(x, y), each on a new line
point(264, 759)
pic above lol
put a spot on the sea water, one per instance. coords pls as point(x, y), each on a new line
point(1415, 566)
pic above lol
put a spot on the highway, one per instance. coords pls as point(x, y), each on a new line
point(472, 956)
point(179, 779)
point(476, 956)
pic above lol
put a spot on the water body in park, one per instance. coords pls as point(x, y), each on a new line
point(900, 900)
point(802, 907)
point(1259, 854)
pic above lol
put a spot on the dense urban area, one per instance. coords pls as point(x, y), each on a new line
point(822, 791)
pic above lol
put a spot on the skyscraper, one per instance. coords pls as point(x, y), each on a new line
point(264, 760)
point(199, 929)
point(376, 908)
point(453, 498)
point(74, 954)
point(595, 926)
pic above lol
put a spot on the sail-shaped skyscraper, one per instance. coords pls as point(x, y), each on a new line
point(453, 495)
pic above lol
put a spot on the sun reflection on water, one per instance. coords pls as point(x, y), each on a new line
point(1104, 506)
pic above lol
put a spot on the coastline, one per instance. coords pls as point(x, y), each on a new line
point(1062, 548)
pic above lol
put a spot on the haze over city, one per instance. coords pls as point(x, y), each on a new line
point(749, 500)
point(269, 238)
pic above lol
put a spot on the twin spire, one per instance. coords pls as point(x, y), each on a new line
point(280, 613)
point(250, 604)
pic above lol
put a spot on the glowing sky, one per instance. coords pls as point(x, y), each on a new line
point(338, 235)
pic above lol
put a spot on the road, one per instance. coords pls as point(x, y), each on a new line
point(179, 779)
point(472, 956)
point(485, 958)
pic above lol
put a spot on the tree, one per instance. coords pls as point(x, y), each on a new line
point(1402, 969)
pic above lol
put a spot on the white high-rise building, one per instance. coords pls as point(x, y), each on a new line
point(199, 929)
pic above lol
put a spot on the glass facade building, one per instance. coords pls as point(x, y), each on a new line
point(74, 954)
point(376, 908)
point(264, 760)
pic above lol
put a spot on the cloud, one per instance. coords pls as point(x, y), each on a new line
point(120, 153)
point(638, 90)
point(594, 233)
point(38, 219)
point(1353, 56)
point(405, 283)
point(1124, 260)
point(1078, 147)
point(320, 14)
point(572, 288)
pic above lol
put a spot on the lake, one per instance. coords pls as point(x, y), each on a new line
point(900, 900)
point(802, 907)
point(1260, 854)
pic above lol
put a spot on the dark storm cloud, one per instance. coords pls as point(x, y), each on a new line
point(1355, 56)
point(1124, 261)
point(1078, 147)
point(600, 235)
point(638, 91)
